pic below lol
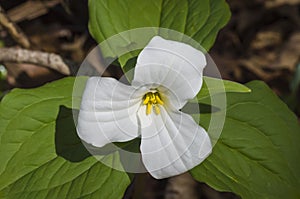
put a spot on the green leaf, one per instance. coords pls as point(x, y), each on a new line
point(67, 143)
point(201, 20)
point(34, 162)
point(213, 86)
point(257, 155)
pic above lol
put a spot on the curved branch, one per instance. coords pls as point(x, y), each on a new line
point(13, 29)
point(49, 60)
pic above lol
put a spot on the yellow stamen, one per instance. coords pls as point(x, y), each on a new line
point(152, 99)
point(146, 100)
point(157, 110)
point(149, 106)
point(158, 99)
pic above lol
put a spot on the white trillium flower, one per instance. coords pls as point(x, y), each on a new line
point(166, 76)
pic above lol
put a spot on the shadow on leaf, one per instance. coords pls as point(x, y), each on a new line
point(195, 108)
point(69, 146)
point(67, 143)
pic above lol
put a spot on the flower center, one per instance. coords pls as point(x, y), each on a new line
point(152, 99)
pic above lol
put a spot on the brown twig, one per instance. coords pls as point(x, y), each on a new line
point(49, 60)
point(13, 29)
point(30, 10)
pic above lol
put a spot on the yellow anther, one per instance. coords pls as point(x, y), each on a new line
point(157, 109)
point(152, 99)
point(146, 100)
point(158, 100)
point(148, 110)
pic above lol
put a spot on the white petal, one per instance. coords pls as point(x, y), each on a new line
point(172, 143)
point(108, 112)
point(173, 65)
